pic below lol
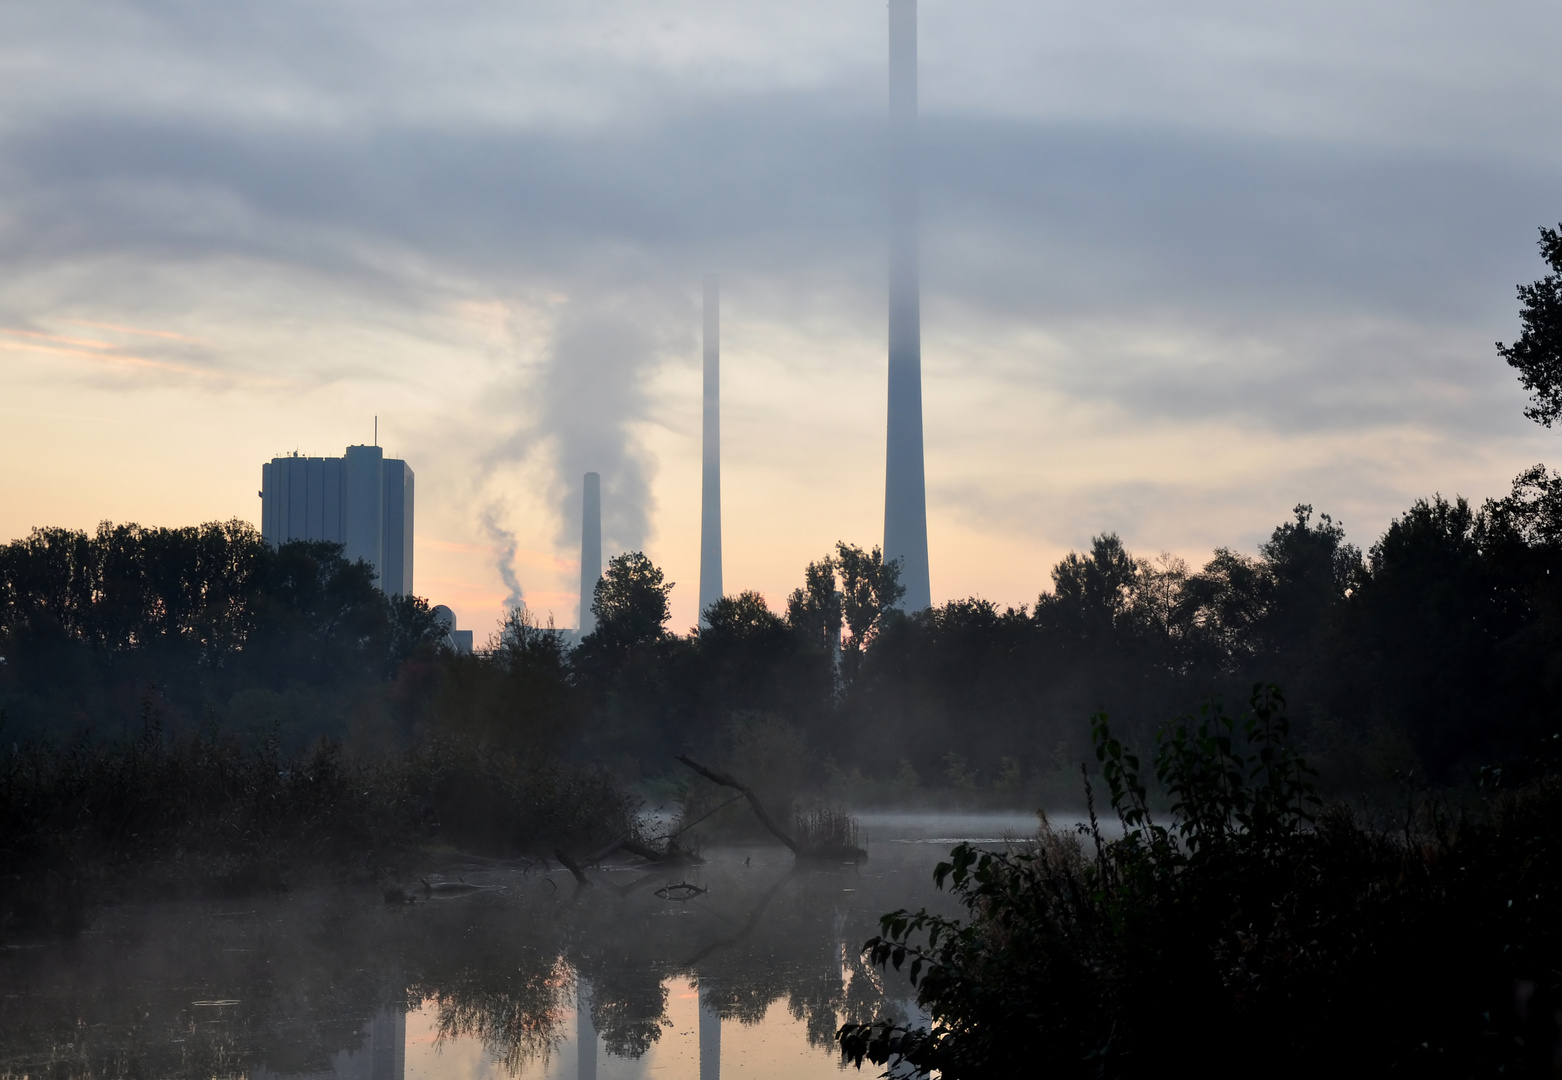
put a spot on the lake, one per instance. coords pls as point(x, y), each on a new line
point(742, 966)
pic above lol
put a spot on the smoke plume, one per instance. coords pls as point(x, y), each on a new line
point(504, 539)
point(591, 393)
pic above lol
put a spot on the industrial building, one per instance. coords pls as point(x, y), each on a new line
point(361, 500)
point(455, 640)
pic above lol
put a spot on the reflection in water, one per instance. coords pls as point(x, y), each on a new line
point(382, 1055)
point(759, 970)
point(710, 1035)
point(585, 1034)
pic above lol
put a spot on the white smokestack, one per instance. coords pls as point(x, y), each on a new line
point(710, 477)
point(590, 549)
point(905, 485)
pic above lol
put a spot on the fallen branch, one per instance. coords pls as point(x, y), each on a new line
point(674, 835)
point(635, 847)
point(759, 811)
point(593, 859)
point(571, 866)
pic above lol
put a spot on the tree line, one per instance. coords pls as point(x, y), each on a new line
point(1431, 651)
point(206, 623)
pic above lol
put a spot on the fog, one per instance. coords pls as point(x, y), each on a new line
point(1197, 580)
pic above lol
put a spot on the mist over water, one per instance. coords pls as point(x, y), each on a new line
point(1158, 301)
point(512, 972)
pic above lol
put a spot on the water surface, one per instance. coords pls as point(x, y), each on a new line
point(525, 975)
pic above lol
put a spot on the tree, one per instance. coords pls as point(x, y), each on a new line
point(1430, 614)
point(1221, 608)
point(221, 622)
point(870, 586)
point(515, 696)
point(1092, 594)
point(1312, 569)
point(630, 601)
point(742, 618)
point(814, 611)
point(1537, 354)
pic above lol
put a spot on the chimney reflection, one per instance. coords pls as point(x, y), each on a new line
point(383, 1055)
point(710, 1034)
point(585, 1034)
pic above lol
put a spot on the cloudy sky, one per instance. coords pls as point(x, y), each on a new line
point(1185, 265)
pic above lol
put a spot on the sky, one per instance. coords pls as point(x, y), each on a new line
point(1185, 265)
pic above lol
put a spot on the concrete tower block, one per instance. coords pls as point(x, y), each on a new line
point(363, 505)
point(297, 498)
point(590, 549)
point(269, 483)
point(710, 475)
point(362, 500)
point(905, 485)
point(396, 538)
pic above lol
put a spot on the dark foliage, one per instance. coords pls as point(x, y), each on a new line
point(1437, 653)
point(1537, 354)
point(1314, 944)
point(219, 621)
point(86, 820)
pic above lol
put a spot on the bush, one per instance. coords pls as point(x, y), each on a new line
point(84, 820)
point(1247, 932)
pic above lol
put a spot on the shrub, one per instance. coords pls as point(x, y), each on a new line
point(83, 820)
point(1247, 931)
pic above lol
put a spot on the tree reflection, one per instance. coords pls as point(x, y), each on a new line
point(302, 978)
point(516, 1013)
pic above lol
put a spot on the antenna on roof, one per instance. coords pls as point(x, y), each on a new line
point(376, 431)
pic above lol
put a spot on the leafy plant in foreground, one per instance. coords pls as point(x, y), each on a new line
point(1248, 930)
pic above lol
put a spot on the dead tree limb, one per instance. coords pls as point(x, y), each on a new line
point(685, 828)
point(596, 857)
point(634, 847)
point(759, 811)
point(572, 866)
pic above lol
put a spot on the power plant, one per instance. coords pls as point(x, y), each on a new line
point(590, 550)
point(905, 484)
point(710, 473)
point(365, 501)
point(361, 500)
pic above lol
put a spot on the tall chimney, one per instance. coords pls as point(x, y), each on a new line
point(710, 476)
point(590, 549)
point(905, 486)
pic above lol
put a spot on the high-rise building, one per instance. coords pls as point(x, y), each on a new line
point(710, 475)
point(361, 500)
point(905, 484)
point(590, 550)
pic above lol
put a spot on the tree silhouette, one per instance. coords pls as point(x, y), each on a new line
point(630, 602)
point(1537, 354)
